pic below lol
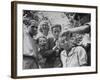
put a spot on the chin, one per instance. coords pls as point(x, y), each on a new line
point(34, 33)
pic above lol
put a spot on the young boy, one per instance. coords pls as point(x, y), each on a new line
point(44, 53)
point(42, 47)
point(71, 56)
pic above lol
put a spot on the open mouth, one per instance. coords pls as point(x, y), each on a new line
point(43, 45)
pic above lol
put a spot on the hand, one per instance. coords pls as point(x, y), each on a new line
point(55, 47)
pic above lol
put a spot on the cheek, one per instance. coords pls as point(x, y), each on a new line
point(34, 30)
point(69, 44)
point(40, 43)
point(45, 31)
point(56, 34)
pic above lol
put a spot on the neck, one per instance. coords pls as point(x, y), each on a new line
point(55, 38)
point(45, 34)
point(68, 50)
point(30, 34)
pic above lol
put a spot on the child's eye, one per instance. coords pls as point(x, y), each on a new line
point(62, 41)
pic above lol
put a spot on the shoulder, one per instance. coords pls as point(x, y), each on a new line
point(50, 38)
point(80, 50)
point(63, 53)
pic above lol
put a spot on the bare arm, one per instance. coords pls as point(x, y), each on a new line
point(81, 29)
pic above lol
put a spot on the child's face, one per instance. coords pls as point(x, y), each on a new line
point(42, 42)
point(56, 32)
point(65, 43)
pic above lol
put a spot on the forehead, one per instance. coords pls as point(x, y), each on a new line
point(42, 38)
point(34, 23)
point(56, 29)
point(64, 38)
point(45, 24)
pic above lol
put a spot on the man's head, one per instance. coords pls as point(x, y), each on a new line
point(33, 28)
point(56, 29)
point(44, 28)
point(66, 40)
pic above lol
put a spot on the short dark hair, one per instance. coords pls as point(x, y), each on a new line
point(66, 34)
point(33, 23)
point(57, 25)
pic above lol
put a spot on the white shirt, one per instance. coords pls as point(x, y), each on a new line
point(30, 47)
point(76, 57)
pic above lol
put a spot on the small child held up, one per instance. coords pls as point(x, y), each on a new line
point(44, 54)
point(42, 47)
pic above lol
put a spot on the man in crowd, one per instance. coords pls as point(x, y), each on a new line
point(30, 47)
point(54, 59)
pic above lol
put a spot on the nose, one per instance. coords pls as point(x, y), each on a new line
point(66, 42)
point(56, 33)
point(35, 29)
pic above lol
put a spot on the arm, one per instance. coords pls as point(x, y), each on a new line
point(82, 56)
point(82, 29)
point(47, 53)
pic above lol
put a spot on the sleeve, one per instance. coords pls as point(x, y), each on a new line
point(48, 53)
point(63, 57)
point(82, 56)
point(51, 43)
point(28, 49)
point(88, 30)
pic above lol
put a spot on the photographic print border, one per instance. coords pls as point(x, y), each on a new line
point(14, 37)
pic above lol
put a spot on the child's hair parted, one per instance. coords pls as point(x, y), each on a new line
point(56, 26)
point(37, 40)
point(67, 34)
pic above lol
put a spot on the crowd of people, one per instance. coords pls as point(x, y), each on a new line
point(63, 49)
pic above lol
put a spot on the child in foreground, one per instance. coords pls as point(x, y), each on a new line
point(72, 55)
point(44, 54)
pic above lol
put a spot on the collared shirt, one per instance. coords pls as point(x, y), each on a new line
point(76, 57)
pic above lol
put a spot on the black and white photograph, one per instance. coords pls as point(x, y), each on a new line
point(54, 39)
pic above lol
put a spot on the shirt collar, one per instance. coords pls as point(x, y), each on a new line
point(71, 52)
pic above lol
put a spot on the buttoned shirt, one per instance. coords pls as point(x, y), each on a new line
point(76, 57)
